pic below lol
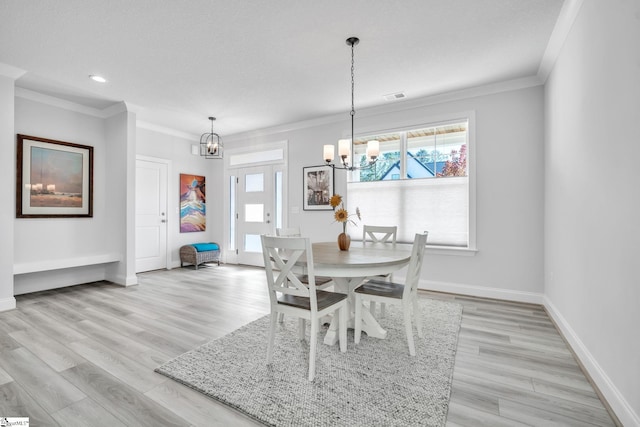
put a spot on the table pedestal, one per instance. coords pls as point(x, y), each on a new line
point(369, 324)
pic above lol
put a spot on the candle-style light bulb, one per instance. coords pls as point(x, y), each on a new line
point(373, 149)
point(344, 147)
point(328, 153)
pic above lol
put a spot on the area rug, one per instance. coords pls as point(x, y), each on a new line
point(376, 383)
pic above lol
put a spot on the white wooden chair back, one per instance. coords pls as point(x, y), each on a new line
point(280, 255)
point(415, 265)
point(379, 234)
point(288, 232)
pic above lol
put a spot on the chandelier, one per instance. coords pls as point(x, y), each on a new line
point(211, 144)
point(345, 146)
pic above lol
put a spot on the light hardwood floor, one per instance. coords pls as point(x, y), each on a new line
point(85, 355)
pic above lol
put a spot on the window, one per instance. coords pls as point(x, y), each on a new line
point(420, 182)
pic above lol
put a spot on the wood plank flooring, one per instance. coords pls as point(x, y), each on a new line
point(84, 355)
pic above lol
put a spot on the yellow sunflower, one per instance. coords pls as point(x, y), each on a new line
point(341, 215)
point(336, 199)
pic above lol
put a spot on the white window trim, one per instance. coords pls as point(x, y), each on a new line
point(450, 250)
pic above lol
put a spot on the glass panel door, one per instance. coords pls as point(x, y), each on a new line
point(255, 212)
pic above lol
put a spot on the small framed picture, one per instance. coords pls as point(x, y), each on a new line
point(318, 188)
point(54, 179)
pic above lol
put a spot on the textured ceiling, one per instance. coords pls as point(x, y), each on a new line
point(256, 64)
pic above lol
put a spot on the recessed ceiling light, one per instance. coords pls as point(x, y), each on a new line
point(97, 78)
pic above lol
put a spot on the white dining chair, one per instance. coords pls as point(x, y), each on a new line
point(405, 294)
point(379, 234)
point(288, 295)
point(322, 282)
point(288, 232)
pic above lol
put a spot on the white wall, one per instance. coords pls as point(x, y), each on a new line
point(110, 232)
point(177, 150)
point(509, 162)
point(592, 203)
point(63, 239)
point(120, 183)
point(7, 191)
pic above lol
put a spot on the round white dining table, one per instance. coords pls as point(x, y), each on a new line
point(349, 269)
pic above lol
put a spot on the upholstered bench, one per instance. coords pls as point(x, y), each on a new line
point(198, 253)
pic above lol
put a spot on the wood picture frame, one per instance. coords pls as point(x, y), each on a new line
point(318, 188)
point(54, 179)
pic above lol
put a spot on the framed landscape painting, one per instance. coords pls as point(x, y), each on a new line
point(318, 188)
point(193, 212)
point(54, 178)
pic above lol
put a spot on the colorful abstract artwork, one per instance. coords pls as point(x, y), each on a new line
point(192, 203)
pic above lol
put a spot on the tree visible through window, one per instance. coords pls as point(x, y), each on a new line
point(433, 152)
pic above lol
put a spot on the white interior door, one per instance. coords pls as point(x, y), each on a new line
point(254, 211)
point(151, 215)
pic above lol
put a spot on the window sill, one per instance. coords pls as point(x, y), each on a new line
point(444, 250)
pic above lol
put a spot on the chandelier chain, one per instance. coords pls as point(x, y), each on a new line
point(353, 84)
point(373, 148)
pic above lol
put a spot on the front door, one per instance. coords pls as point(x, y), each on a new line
point(151, 215)
point(254, 212)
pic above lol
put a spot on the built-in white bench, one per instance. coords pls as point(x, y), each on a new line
point(58, 264)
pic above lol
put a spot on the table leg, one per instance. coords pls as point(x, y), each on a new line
point(369, 324)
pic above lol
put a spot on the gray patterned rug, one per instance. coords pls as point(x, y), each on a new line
point(375, 383)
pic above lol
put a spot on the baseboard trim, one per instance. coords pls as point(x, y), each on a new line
point(482, 292)
point(7, 304)
point(131, 280)
point(618, 406)
point(122, 280)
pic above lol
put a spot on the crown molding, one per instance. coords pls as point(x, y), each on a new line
point(118, 107)
point(114, 109)
point(566, 18)
point(11, 71)
point(458, 95)
point(167, 131)
point(57, 102)
point(409, 104)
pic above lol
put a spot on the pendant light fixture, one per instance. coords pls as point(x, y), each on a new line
point(211, 144)
point(346, 146)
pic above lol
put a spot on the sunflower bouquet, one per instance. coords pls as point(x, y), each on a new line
point(341, 215)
